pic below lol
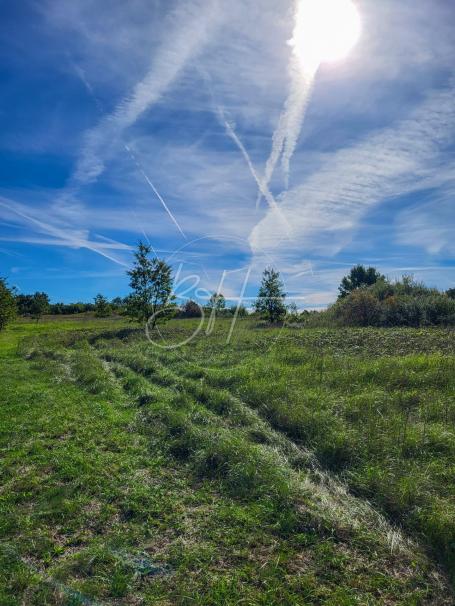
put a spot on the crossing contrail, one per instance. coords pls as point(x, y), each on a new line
point(263, 188)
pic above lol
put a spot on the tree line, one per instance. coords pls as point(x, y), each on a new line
point(366, 298)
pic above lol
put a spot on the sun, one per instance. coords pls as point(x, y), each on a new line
point(325, 31)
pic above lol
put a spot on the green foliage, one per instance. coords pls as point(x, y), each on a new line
point(360, 308)
point(35, 305)
point(191, 309)
point(118, 304)
point(8, 307)
point(59, 309)
point(270, 303)
point(102, 307)
point(451, 293)
point(240, 310)
point(292, 314)
point(217, 302)
point(151, 281)
point(358, 277)
point(401, 303)
point(40, 305)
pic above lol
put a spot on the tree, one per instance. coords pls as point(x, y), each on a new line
point(451, 293)
point(151, 281)
point(359, 276)
point(217, 301)
point(241, 311)
point(102, 307)
point(191, 309)
point(39, 305)
point(292, 313)
point(23, 304)
point(271, 297)
point(8, 308)
point(118, 303)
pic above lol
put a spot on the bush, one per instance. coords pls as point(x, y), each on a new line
point(191, 309)
point(7, 304)
point(360, 308)
point(402, 311)
point(402, 303)
point(439, 310)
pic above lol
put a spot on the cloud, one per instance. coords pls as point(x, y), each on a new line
point(326, 208)
point(430, 225)
point(193, 24)
point(60, 232)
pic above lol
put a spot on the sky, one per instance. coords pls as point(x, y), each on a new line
point(154, 120)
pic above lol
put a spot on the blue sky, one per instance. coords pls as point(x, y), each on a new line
point(154, 120)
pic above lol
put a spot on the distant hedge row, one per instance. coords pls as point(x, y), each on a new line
point(402, 303)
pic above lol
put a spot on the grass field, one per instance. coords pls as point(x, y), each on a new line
point(287, 467)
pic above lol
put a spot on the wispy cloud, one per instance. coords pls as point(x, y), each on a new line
point(60, 234)
point(263, 187)
point(327, 207)
point(193, 24)
point(155, 191)
point(365, 139)
point(430, 225)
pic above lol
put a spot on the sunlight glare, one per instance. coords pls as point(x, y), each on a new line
point(325, 30)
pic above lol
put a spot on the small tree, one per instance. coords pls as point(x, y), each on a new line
point(292, 313)
point(8, 308)
point(271, 297)
point(39, 305)
point(117, 304)
point(151, 281)
point(217, 301)
point(24, 304)
point(358, 276)
point(451, 293)
point(102, 307)
point(241, 311)
point(191, 309)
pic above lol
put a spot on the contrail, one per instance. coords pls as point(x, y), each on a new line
point(80, 72)
point(299, 97)
point(67, 237)
point(144, 234)
point(290, 123)
point(193, 24)
point(261, 183)
point(263, 188)
point(155, 191)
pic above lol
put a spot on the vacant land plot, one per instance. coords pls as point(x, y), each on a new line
point(272, 467)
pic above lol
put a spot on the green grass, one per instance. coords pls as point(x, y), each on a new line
point(215, 474)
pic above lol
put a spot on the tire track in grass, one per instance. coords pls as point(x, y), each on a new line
point(218, 437)
point(333, 496)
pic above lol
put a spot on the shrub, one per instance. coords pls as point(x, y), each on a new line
point(102, 307)
point(33, 305)
point(7, 304)
point(439, 309)
point(402, 311)
point(360, 308)
point(191, 309)
point(401, 303)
